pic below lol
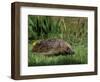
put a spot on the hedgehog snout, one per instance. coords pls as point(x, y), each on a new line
point(72, 52)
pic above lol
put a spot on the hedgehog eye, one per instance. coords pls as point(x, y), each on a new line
point(68, 49)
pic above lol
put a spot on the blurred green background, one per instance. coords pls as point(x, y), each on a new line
point(74, 30)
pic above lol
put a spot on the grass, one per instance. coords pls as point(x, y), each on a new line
point(71, 29)
point(79, 57)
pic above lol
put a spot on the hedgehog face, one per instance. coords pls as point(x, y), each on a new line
point(69, 51)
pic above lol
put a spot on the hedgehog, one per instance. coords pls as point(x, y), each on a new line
point(52, 47)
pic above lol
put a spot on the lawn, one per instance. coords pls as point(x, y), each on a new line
point(71, 29)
